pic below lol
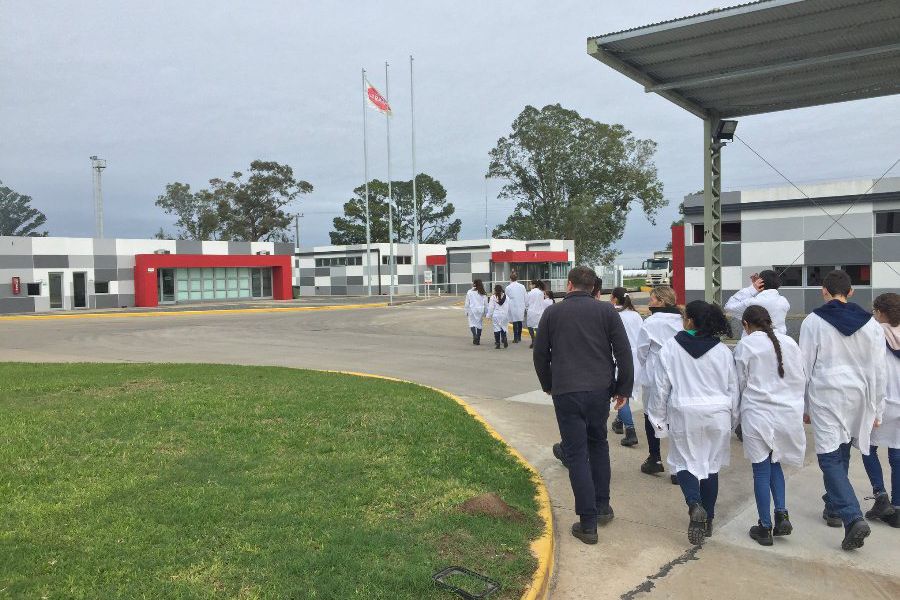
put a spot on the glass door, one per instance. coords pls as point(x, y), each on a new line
point(256, 277)
point(166, 286)
point(79, 290)
point(266, 282)
point(56, 290)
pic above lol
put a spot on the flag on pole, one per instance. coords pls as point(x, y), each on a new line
point(376, 100)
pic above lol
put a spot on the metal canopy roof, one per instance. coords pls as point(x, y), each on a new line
point(763, 56)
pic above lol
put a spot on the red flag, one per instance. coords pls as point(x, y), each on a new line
point(376, 100)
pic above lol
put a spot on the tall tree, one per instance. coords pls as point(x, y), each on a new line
point(197, 215)
point(435, 213)
point(251, 209)
point(574, 178)
point(17, 216)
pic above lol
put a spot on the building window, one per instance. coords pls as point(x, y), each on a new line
point(815, 275)
point(341, 261)
point(887, 221)
point(790, 276)
point(33, 289)
point(101, 287)
point(400, 260)
point(859, 274)
point(731, 232)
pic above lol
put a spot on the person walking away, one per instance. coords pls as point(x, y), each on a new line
point(549, 298)
point(515, 292)
point(762, 291)
point(662, 325)
point(772, 383)
point(631, 319)
point(534, 308)
point(695, 404)
point(497, 313)
point(581, 345)
point(887, 313)
point(476, 307)
point(843, 353)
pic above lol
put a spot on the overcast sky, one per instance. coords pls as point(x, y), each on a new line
point(186, 91)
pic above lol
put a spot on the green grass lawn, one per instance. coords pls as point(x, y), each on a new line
point(634, 283)
point(207, 481)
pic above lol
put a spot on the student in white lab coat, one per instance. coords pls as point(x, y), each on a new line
point(772, 384)
point(633, 321)
point(534, 308)
point(662, 325)
point(515, 294)
point(549, 299)
point(887, 508)
point(695, 405)
point(762, 291)
point(497, 313)
point(476, 307)
point(843, 352)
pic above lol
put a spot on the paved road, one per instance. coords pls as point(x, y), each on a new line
point(643, 554)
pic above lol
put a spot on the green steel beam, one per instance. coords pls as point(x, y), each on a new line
point(712, 211)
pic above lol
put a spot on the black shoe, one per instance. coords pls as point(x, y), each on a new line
point(477, 342)
point(762, 535)
point(894, 519)
point(697, 524)
point(674, 479)
point(882, 507)
point(630, 438)
point(505, 344)
point(782, 524)
point(652, 466)
point(558, 453)
point(832, 520)
point(474, 342)
point(588, 537)
point(497, 346)
point(516, 341)
point(856, 535)
point(709, 527)
point(605, 514)
point(531, 345)
point(739, 432)
point(617, 426)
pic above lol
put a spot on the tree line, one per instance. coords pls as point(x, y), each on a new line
point(571, 177)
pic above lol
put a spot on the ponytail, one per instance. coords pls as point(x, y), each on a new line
point(758, 317)
point(708, 318)
point(622, 298)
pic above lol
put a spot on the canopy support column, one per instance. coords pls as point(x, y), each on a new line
point(712, 211)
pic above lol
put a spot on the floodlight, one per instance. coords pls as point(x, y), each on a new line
point(725, 130)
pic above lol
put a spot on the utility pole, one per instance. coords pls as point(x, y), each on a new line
point(97, 166)
point(486, 236)
point(297, 218)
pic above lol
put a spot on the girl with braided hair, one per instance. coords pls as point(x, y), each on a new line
point(772, 383)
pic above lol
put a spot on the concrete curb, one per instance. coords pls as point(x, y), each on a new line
point(542, 547)
point(179, 313)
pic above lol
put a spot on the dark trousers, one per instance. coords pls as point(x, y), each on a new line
point(876, 475)
point(840, 499)
point(582, 428)
point(500, 335)
point(517, 330)
point(476, 333)
point(703, 492)
point(652, 440)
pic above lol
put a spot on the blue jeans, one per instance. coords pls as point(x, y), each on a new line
point(517, 330)
point(702, 492)
point(768, 477)
point(582, 428)
point(840, 499)
point(624, 415)
point(876, 477)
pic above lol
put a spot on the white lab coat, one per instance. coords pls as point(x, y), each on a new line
point(657, 329)
point(515, 295)
point(498, 313)
point(475, 307)
point(547, 302)
point(845, 382)
point(696, 406)
point(777, 305)
point(771, 406)
point(633, 323)
point(534, 307)
point(888, 434)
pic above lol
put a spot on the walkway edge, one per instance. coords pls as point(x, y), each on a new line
point(542, 547)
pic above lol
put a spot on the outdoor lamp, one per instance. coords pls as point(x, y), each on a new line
point(725, 130)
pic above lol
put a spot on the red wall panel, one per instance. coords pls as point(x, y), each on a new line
point(678, 282)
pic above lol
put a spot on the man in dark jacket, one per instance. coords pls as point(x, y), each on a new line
point(581, 345)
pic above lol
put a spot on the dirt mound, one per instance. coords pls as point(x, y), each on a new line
point(491, 505)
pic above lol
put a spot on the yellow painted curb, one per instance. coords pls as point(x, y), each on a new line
point(542, 548)
point(187, 313)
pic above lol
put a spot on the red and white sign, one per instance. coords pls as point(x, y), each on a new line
point(376, 100)
point(16, 286)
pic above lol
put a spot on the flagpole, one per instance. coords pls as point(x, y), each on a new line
point(366, 170)
point(393, 259)
point(415, 205)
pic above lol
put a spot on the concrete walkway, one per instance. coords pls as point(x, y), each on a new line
point(643, 553)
